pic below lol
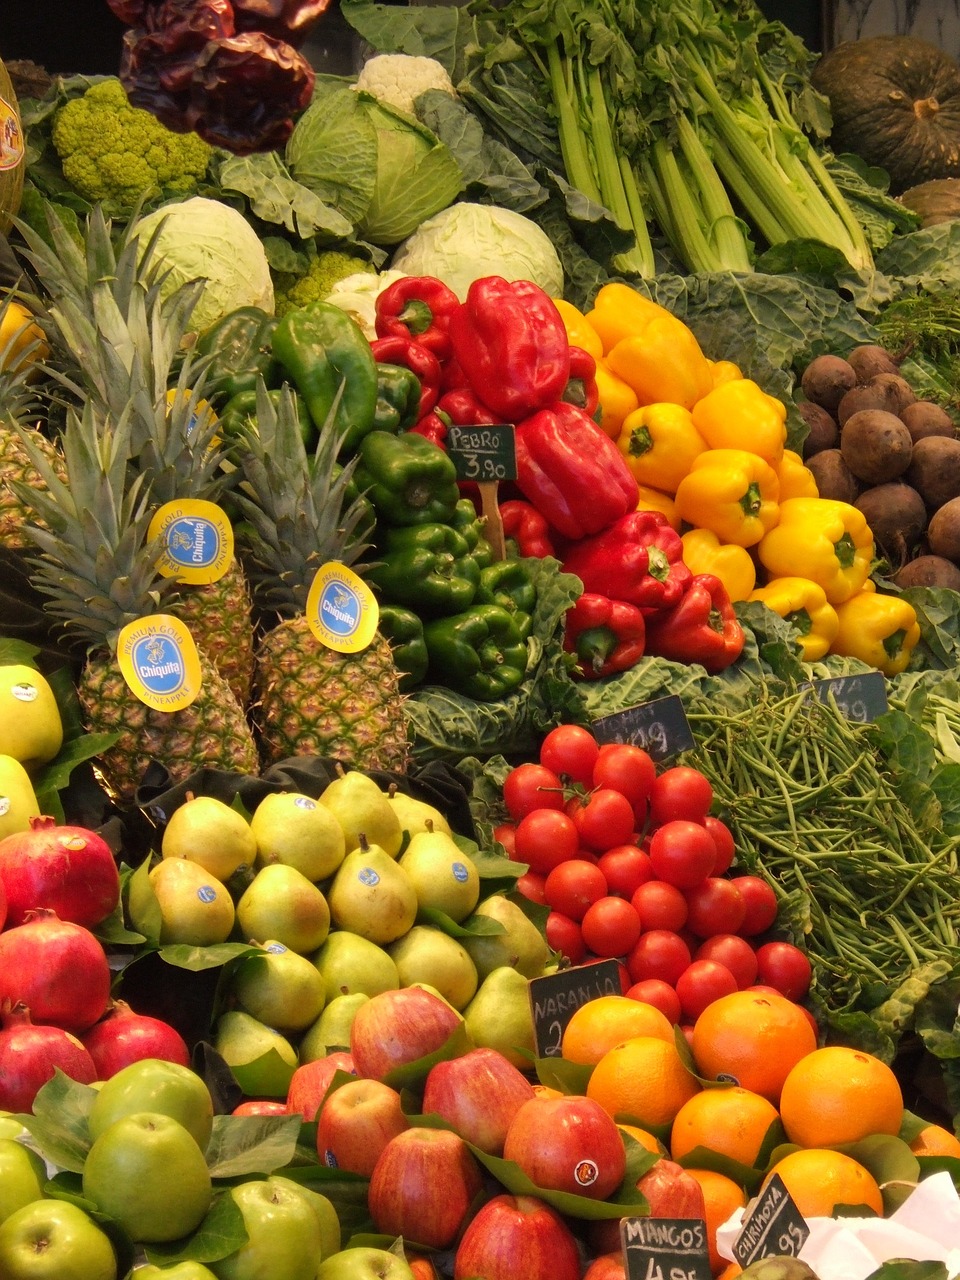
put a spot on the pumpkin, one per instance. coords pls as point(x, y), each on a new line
point(895, 101)
point(12, 153)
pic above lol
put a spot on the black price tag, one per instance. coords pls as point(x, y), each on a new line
point(555, 998)
point(660, 727)
point(774, 1227)
point(665, 1248)
point(483, 454)
point(861, 697)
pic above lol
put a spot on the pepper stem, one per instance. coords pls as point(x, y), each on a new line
point(751, 501)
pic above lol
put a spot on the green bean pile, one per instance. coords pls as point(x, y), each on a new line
point(813, 811)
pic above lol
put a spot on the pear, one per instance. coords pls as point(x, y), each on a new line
point(361, 808)
point(414, 814)
point(299, 831)
point(18, 801)
point(442, 876)
point(281, 903)
point(349, 964)
point(427, 955)
point(30, 726)
point(499, 1015)
point(210, 833)
point(331, 1030)
point(279, 987)
point(262, 1060)
point(372, 895)
point(522, 945)
point(195, 908)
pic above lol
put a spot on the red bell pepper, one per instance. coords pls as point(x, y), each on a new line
point(606, 635)
point(465, 409)
point(510, 341)
point(572, 472)
point(702, 627)
point(433, 425)
point(581, 388)
point(408, 352)
point(417, 307)
point(638, 558)
point(525, 526)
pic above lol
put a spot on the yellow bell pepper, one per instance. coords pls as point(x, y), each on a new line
point(732, 492)
point(655, 500)
point(663, 362)
point(703, 552)
point(580, 333)
point(822, 539)
point(619, 311)
point(740, 415)
point(796, 478)
point(616, 400)
point(805, 606)
point(660, 442)
point(879, 629)
point(724, 371)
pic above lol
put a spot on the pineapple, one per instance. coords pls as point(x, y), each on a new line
point(98, 572)
point(312, 699)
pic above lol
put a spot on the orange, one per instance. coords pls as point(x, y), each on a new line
point(721, 1197)
point(600, 1024)
point(732, 1122)
point(818, 1180)
point(752, 1038)
point(730, 1270)
point(934, 1140)
point(644, 1079)
point(837, 1095)
point(648, 1140)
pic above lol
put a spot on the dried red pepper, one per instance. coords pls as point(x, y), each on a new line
point(525, 526)
point(417, 307)
point(410, 354)
point(606, 635)
point(638, 558)
point(702, 627)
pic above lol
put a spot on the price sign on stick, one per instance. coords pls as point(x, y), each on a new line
point(555, 998)
point(660, 727)
point(775, 1227)
point(486, 455)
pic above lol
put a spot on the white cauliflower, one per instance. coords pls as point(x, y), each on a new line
point(400, 78)
point(357, 295)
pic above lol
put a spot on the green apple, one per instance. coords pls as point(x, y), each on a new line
point(262, 1060)
point(279, 987)
point(372, 895)
point(10, 1127)
point(22, 1176)
point(425, 954)
point(147, 1173)
point(362, 809)
point(364, 1263)
point(30, 726)
point(180, 1271)
point(151, 1084)
point(210, 833)
point(326, 1214)
point(499, 1016)
point(18, 800)
point(332, 1029)
point(295, 829)
point(195, 907)
point(415, 814)
point(349, 964)
point(281, 903)
point(54, 1240)
point(521, 945)
point(284, 1236)
point(443, 877)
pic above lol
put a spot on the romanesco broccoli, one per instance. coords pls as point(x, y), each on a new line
point(115, 152)
point(400, 78)
point(325, 270)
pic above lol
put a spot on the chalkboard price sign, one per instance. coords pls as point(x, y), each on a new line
point(483, 454)
point(861, 697)
point(774, 1227)
point(660, 727)
point(555, 998)
point(665, 1248)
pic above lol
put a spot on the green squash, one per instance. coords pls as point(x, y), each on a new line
point(12, 152)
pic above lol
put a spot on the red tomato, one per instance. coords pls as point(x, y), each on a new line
point(661, 953)
point(564, 935)
point(545, 838)
point(658, 993)
point(610, 927)
point(604, 818)
point(702, 982)
point(626, 768)
point(573, 886)
point(723, 839)
point(529, 787)
point(506, 833)
point(714, 906)
point(571, 751)
point(682, 852)
point(531, 885)
point(734, 952)
point(760, 902)
point(680, 792)
point(626, 867)
point(786, 967)
point(660, 906)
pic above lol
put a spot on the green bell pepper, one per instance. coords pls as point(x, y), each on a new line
point(242, 408)
point(321, 348)
point(426, 567)
point(466, 521)
point(404, 631)
point(479, 652)
point(409, 479)
point(398, 398)
point(508, 584)
point(239, 347)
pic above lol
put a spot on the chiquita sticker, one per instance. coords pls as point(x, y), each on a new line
point(159, 661)
point(342, 611)
point(11, 137)
point(197, 538)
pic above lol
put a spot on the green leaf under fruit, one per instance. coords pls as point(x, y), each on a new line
point(143, 909)
point(241, 1145)
point(58, 1124)
point(632, 1202)
point(219, 1234)
point(196, 959)
point(412, 1073)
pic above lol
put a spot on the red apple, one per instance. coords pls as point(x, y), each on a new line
point(479, 1093)
point(400, 1026)
point(311, 1080)
point(567, 1144)
point(69, 869)
point(609, 1266)
point(260, 1107)
point(517, 1235)
point(670, 1191)
point(422, 1267)
point(356, 1122)
point(423, 1185)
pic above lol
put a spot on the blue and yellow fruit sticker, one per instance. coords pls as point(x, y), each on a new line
point(11, 137)
point(159, 661)
point(202, 413)
point(197, 540)
point(342, 611)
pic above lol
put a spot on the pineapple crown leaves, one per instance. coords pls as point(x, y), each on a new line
point(297, 507)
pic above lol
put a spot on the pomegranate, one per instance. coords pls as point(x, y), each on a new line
point(57, 969)
point(68, 869)
point(123, 1036)
point(29, 1056)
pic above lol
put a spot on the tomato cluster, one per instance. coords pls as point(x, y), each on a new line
point(633, 866)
